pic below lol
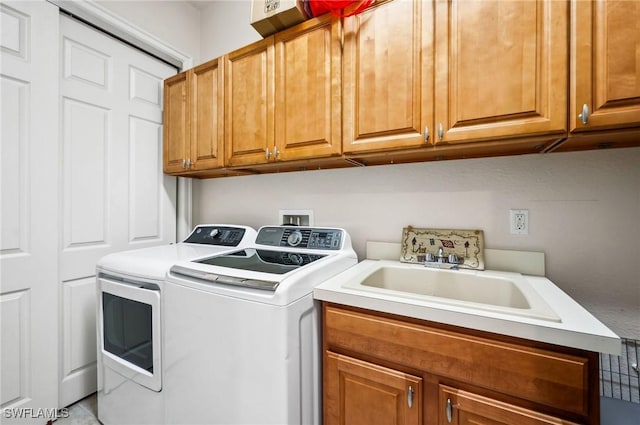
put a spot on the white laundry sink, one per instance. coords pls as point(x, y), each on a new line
point(523, 306)
point(501, 292)
point(484, 289)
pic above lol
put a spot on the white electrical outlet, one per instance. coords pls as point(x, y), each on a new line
point(519, 222)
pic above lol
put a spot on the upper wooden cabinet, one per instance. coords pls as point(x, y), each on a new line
point(283, 98)
point(308, 101)
point(207, 115)
point(176, 124)
point(193, 113)
point(413, 80)
point(249, 106)
point(421, 74)
point(388, 76)
point(501, 69)
point(605, 70)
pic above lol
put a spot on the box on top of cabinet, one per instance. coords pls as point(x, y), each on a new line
point(271, 16)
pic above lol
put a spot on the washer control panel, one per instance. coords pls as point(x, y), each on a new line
point(216, 235)
point(300, 237)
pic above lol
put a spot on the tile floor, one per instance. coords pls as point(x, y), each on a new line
point(84, 412)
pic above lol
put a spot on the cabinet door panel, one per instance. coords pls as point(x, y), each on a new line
point(467, 408)
point(387, 80)
point(249, 112)
point(176, 128)
point(308, 93)
point(207, 106)
point(362, 393)
point(500, 69)
point(605, 64)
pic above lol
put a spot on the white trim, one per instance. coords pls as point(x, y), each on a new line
point(95, 14)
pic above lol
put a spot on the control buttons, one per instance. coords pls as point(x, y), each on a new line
point(214, 233)
point(295, 238)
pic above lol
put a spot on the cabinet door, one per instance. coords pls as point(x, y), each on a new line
point(388, 76)
point(362, 393)
point(207, 115)
point(465, 408)
point(308, 93)
point(605, 64)
point(249, 112)
point(501, 69)
point(176, 124)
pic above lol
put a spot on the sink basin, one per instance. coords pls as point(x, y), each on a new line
point(452, 285)
point(508, 293)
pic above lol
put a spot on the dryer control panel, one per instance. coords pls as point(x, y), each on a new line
point(300, 237)
point(216, 235)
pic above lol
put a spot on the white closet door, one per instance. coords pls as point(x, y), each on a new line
point(114, 194)
point(29, 208)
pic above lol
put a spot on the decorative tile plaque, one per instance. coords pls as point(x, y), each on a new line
point(466, 244)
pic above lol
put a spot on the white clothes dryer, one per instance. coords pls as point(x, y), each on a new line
point(247, 351)
point(131, 324)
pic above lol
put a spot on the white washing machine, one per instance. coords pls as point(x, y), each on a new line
point(130, 321)
point(248, 350)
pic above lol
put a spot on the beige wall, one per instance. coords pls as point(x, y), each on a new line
point(225, 26)
point(584, 209)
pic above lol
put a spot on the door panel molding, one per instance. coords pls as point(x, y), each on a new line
point(15, 311)
point(16, 189)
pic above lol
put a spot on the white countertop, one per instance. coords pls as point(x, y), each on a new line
point(577, 327)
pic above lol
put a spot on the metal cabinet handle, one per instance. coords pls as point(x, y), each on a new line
point(276, 152)
point(426, 134)
point(189, 164)
point(184, 163)
point(449, 410)
point(584, 116)
point(410, 397)
point(440, 131)
point(267, 154)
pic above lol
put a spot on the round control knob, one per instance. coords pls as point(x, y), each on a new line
point(295, 238)
point(214, 233)
point(295, 259)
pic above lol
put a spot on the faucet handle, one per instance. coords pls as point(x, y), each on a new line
point(429, 257)
point(453, 259)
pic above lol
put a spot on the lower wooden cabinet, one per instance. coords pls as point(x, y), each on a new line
point(362, 393)
point(385, 369)
point(461, 407)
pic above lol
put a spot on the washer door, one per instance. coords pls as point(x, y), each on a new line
point(130, 335)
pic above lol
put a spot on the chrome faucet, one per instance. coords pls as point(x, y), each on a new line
point(441, 257)
point(440, 260)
